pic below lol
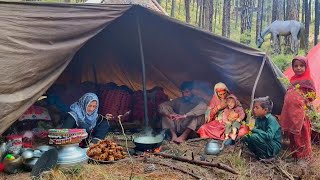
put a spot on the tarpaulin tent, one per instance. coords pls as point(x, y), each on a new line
point(314, 63)
point(101, 43)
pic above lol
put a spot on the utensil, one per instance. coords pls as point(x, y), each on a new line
point(45, 148)
point(27, 154)
point(70, 155)
point(13, 166)
point(144, 143)
point(213, 148)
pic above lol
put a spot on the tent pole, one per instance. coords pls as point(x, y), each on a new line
point(146, 119)
point(256, 83)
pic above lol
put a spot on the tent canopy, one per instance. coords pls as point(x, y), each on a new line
point(100, 43)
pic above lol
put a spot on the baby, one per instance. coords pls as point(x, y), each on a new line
point(232, 117)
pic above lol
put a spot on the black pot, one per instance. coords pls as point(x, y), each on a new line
point(145, 143)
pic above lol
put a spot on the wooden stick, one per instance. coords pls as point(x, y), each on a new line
point(289, 176)
point(179, 169)
point(217, 165)
point(196, 139)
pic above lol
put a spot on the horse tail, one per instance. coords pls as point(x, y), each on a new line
point(302, 37)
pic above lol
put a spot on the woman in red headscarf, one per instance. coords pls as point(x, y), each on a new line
point(214, 127)
point(294, 119)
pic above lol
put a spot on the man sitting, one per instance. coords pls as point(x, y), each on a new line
point(183, 115)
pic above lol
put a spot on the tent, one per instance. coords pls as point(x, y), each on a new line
point(314, 63)
point(103, 43)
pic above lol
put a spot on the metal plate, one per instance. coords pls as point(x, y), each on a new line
point(91, 160)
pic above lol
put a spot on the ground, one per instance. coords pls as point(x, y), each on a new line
point(150, 166)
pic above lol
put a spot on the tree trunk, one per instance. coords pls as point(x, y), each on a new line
point(193, 2)
point(173, 7)
point(210, 14)
point(219, 10)
point(215, 16)
point(166, 5)
point(246, 14)
point(284, 10)
point(206, 14)
point(226, 18)
point(292, 13)
point(259, 19)
point(275, 10)
point(159, 1)
point(200, 12)
point(187, 7)
point(197, 11)
point(236, 12)
point(307, 7)
point(316, 26)
point(203, 14)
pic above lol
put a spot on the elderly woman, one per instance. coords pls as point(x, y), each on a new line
point(214, 127)
point(84, 114)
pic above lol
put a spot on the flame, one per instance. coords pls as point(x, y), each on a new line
point(157, 150)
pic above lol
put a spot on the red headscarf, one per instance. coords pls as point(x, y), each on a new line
point(305, 80)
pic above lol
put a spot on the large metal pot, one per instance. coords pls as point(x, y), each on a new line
point(145, 143)
point(71, 155)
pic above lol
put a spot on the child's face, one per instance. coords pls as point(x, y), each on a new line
point(231, 103)
point(299, 67)
point(258, 110)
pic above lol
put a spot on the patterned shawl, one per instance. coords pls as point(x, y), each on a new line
point(296, 102)
point(215, 101)
point(79, 111)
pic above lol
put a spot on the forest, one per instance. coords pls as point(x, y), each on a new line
point(243, 20)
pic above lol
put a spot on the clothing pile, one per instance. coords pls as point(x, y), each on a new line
point(115, 100)
point(155, 97)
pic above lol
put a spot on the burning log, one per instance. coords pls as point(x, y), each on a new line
point(202, 163)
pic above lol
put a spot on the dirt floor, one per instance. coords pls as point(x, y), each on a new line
point(150, 166)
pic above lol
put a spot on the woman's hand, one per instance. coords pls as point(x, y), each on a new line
point(222, 105)
point(109, 116)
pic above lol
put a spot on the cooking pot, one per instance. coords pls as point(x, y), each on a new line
point(144, 143)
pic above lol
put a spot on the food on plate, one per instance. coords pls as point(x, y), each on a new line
point(106, 150)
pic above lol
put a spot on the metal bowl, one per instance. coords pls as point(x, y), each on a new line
point(45, 148)
point(27, 154)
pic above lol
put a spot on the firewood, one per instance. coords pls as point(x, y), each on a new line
point(179, 169)
point(203, 163)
